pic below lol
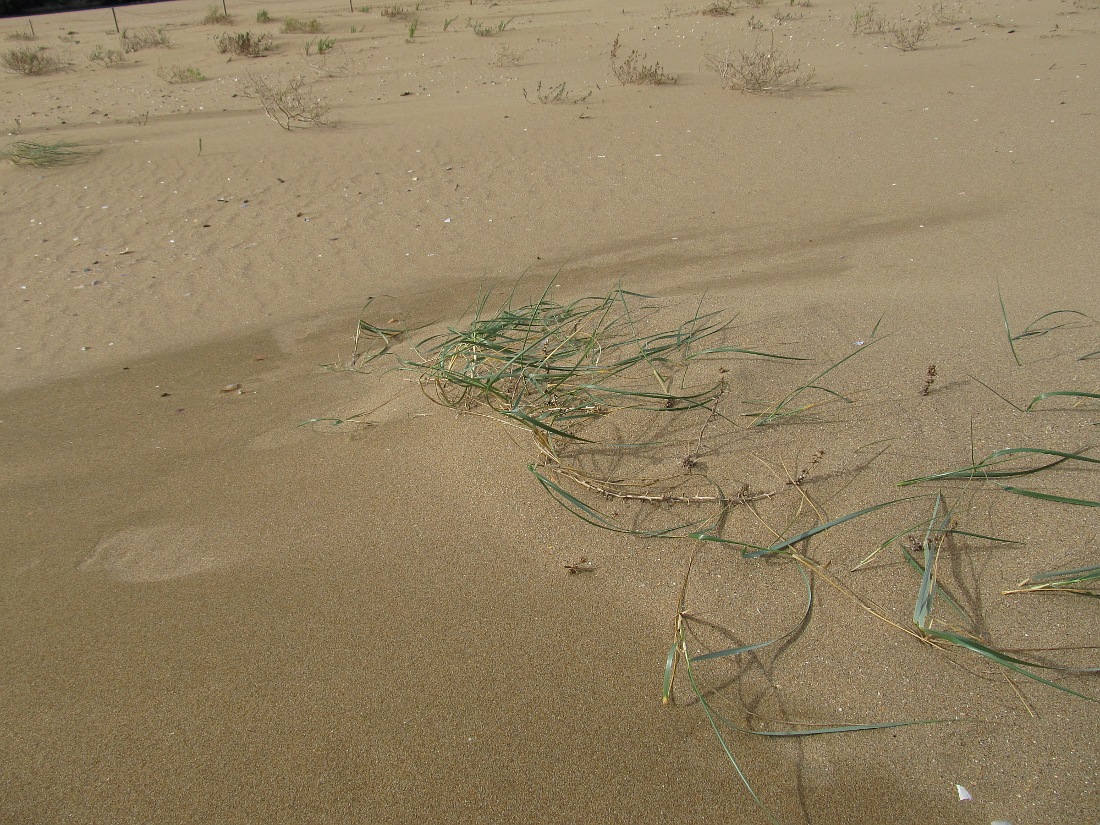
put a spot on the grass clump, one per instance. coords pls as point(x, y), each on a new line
point(324, 45)
point(290, 104)
point(483, 30)
point(30, 61)
point(764, 69)
point(144, 38)
point(633, 70)
point(244, 44)
point(105, 57)
point(217, 17)
point(24, 36)
point(262, 16)
point(393, 12)
point(718, 8)
point(28, 153)
point(292, 25)
point(180, 74)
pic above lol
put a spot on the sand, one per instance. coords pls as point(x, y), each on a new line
point(213, 614)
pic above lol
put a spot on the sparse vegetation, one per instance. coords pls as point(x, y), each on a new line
point(105, 57)
point(30, 61)
point(217, 17)
point(180, 74)
point(292, 25)
point(718, 8)
point(633, 69)
point(262, 16)
point(505, 55)
point(144, 38)
point(413, 24)
point(866, 20)
point(324, 46)
point(909, 35)
point(393, 12)
point(290, 104)
point(628, 426)
point(244, 44)
point(764, 69)
point(554, 94)
point(483, 30)
point(25, 36)
point(28, 153)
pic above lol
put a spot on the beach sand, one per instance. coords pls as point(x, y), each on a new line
point(212, 613)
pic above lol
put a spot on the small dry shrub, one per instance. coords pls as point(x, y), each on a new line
point(866, 20)
point(394, 12)
point(717, 8)
point(105, 57)
point(909, 35)
point(764, 69)
point(244, 44)
point(505, 55)
point(180, 74)
point(292, 25)
point(217, 17)
point(262, 16)
point(27, 60)
point(555, 94)
point(25, 36)
point(291, 104)
point(633, 70)
point(143, 38)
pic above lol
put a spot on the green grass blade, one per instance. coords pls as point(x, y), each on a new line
point(1070, 393)
point(1008, 329)
point(1080, 502)
point(780, 546)
point(1030, 329)
point(1017, 665)
point(979, 470)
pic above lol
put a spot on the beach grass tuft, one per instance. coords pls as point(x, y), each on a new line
point(28, 153)
point(30, 61)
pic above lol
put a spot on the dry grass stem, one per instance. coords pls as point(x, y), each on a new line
point(290, 104)
point(632, 70)
point(764, 69)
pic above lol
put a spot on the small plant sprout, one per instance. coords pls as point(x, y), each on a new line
point(324, 46)
point(413, 23)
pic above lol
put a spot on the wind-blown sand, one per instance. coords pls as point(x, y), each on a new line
point(213, 614)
